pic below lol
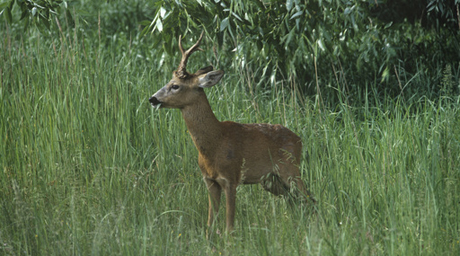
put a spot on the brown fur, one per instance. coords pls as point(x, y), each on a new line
point(229, 153)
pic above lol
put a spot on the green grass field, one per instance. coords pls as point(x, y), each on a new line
point(88, 167)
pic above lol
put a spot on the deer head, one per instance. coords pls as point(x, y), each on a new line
point(185, 88)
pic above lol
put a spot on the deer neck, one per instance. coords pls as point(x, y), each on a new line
point(203, 125)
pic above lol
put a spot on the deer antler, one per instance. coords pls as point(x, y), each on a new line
point(181, 71)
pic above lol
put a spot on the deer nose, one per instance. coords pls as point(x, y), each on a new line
point(154, 101)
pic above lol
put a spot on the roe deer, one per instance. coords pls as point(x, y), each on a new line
point(231, 153)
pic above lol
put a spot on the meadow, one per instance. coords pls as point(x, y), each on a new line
point(88, 167)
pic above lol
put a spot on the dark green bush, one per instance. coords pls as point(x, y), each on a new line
point(330, 48)
point(327, 47)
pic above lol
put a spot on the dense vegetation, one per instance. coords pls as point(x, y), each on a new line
point(331, 47)
point(88, 167)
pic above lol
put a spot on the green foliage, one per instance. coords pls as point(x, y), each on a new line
point(40, 12)
point(116, 17)
point(305, 40)
point(443, 13)
point(386, 43)
point(87, 167)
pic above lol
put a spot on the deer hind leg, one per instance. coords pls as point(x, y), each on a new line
point(215, 191)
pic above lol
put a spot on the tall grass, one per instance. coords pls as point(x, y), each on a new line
point(89, 168)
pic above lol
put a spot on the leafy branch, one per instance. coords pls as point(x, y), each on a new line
point(39, 12)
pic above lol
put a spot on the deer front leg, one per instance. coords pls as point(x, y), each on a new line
point(230, 195)
point(214, 190)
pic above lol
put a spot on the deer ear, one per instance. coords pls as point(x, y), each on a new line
point(204, 70)
point(210, 79)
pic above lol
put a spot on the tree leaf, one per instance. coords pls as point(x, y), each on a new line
point(162, 12)
point(144, 31)
point(289, 4)
point(224, 24)
point(297, 14)
point(3, 5)
point(11, 3)
point(145, 23)
point(159, 25)
point(385, 74)
point(26, 24)
point(9, 18)
point(25, 13)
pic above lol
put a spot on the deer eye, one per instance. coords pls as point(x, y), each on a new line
point(175, 87)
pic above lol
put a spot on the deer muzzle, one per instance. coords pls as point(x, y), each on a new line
point(155, 102)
